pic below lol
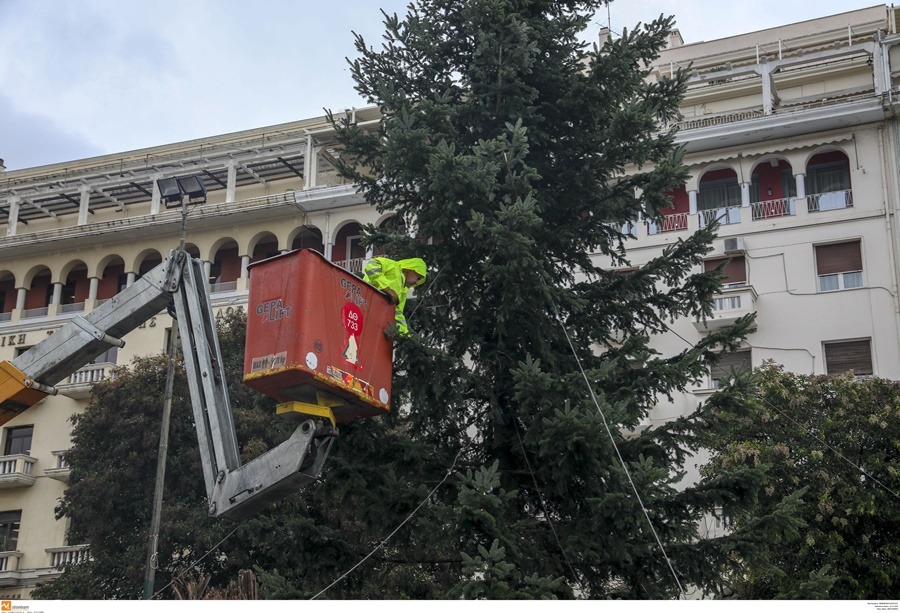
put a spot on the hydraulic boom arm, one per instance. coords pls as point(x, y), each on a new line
point(234, 491)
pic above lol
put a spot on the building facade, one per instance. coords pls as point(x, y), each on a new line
point(792, 144)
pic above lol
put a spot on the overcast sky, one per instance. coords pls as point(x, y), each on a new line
point(93, 77)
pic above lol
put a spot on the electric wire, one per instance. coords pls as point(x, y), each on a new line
point(200, 559)
point(546, 512)
point(388, 537)
point(810, 434)
point(618, 453)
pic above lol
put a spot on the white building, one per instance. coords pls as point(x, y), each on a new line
point(792, 144)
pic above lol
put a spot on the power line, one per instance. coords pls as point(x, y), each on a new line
point(618, 453)
point(388, 537)
point(809, 433)
point(544, 507)
point(200, 559)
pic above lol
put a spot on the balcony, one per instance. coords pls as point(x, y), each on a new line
point(79, 383)
point(354, 265)
point(60, 471)
point(830, 201)
point(74, 307)
point(9, 567)
point(223, 287)
point(670, 223)
point(73, 554)
point(781, 207)
point(35, 313)
point(734, 301)
point(724, 216)
point(4, 317)
point(16, 471)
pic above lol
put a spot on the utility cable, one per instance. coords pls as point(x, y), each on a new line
point(809, 433)
point(200, 559)
point(388, 537)
point(544, 507)
point(833, 449)
point(618, 453)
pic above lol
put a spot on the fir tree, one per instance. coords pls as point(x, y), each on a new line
point(504, 145)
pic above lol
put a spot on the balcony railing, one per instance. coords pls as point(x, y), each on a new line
point(15, 471)
point(9, 560)
point(830, 201)
point(61, 471)
point(5, 317)
point(222, 287)
point(88, 374)
point(74, 554)
point(733, 302)
point(74, 307)
point(33, 313)
point(670, 223)
point(724, 215)
point(354, 265)
point(780, 207)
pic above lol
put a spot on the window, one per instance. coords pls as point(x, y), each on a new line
point(735, 270)
point(18, 440)
point(9, 530)
point(839, 266)
point(67, 296)
point(847, 356)
point(728, 366)
point(829, 186)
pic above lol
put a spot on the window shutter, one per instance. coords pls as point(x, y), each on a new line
point(840, 257)
point(735, 270)
point(738, 361)
point(847, 356)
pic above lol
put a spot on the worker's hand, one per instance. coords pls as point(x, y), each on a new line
point(392, 296)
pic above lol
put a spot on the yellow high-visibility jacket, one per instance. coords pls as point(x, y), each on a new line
point(385, 273)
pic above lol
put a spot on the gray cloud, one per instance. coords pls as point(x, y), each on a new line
point(28, 140)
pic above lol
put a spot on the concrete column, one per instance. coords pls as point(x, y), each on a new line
point(94, 286)
point(155, 198)
point(207, 268)
point(243, 280)
point(13, 216)
point(231, 182)
point(801, 185)
point(83, 206)
point(310, 163)
point(16, 315)
point(768, 87)
point(132, 277)
point(91, 301)
point(692, 201)
point(329, 249)
point(55, 299)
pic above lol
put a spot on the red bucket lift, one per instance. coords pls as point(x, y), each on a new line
point(315, 338)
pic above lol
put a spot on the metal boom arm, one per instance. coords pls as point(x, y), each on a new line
point(234, 491)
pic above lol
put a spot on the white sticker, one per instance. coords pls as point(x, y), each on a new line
point(383, 396)
point(311, 360)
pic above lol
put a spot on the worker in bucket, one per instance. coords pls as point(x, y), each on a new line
point(395, 278)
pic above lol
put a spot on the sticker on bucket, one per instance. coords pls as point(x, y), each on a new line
point(352, 316)
point(268, 362)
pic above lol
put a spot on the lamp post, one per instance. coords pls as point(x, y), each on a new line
point(173, 191)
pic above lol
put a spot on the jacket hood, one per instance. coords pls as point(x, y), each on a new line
point(416, 265)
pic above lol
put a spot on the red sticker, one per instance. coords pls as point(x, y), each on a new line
point(353, 318)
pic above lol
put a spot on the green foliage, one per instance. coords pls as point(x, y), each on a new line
point(504, 141)
point(828, 530)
